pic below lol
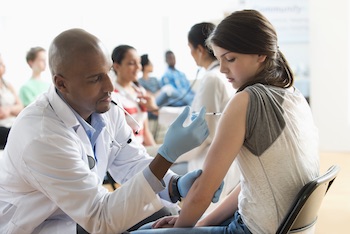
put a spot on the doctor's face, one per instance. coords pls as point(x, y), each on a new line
point(85, 84)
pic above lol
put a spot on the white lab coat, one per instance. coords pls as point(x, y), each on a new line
point(46, 185)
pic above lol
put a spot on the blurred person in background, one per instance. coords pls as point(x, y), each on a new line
point(36, 59)
point(165, 95)
point(213, 92)
point(126, 65)
point(10, 105)
point(178, 80)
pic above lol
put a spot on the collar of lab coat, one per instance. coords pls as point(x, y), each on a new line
point(62, 109)
point(66, 114)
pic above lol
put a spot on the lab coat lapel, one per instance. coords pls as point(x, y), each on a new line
point(89, 156)
point(64, 112)
point(102, 153)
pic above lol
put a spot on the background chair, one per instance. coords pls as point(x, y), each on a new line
point(302, 215)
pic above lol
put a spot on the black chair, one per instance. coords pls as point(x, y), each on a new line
point(302, 215)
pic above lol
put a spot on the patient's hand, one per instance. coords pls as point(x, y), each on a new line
point(165, 222)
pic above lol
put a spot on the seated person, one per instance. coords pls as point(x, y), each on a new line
point(60, 148)
point(126, 65)
point(36, 59)
point(178, 80)
point(10, 106)
point(164, 95)
point(267, 127)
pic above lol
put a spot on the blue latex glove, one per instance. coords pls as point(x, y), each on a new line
point(185, 182)
point(179, 139)
point(218, 193)
point(194, 115)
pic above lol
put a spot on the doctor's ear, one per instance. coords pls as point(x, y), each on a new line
point(60, 82)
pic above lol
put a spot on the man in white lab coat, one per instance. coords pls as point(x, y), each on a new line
point(61, 146)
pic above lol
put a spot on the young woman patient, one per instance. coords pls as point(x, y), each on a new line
point(267, 127)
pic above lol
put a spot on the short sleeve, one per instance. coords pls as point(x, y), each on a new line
point(265, 118)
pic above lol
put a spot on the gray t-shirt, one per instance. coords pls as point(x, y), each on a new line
point(279, 155)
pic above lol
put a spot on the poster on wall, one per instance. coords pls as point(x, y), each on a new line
point(290, 17)
point(291, 21)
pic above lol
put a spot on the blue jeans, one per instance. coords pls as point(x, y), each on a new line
point(233, 225)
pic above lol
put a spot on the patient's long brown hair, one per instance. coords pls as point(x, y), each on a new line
point(249, 32)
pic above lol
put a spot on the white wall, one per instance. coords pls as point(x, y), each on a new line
point(151, 26)
point(154, 26)
point(330, 86)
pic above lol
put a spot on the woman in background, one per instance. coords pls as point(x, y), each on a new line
point(213, 92)
point(126, 64)
point(10, 106)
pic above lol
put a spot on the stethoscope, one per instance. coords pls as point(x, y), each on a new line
point(91, 160)
point(132, 118)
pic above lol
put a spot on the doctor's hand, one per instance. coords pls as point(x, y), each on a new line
point(179, 139)
point(194, 116)
point(217, 193)
point(182, 184)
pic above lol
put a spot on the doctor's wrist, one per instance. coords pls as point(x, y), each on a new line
point(174, 190)
point(159, 166)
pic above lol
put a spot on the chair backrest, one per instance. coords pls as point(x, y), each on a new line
point(302, 214)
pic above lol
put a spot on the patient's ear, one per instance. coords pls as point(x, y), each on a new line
point(261, 58)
